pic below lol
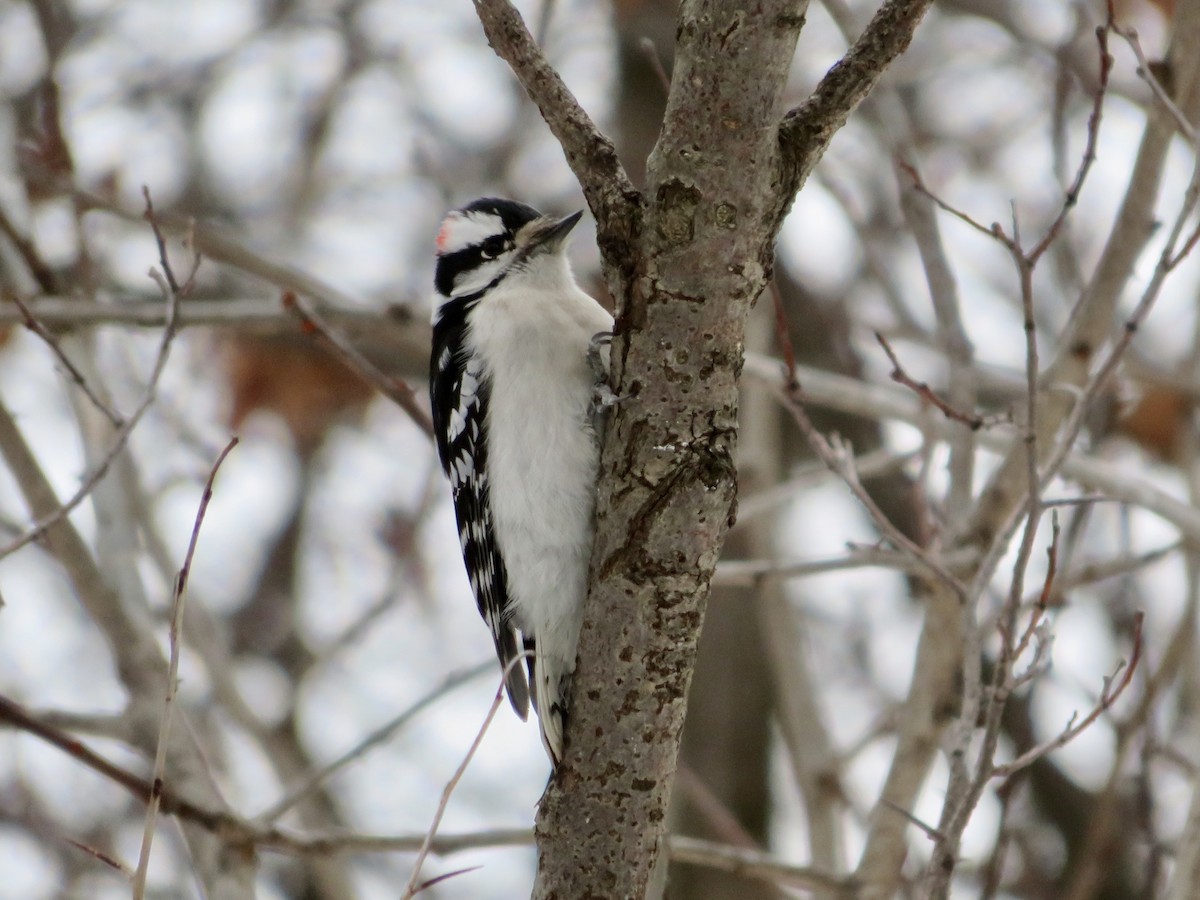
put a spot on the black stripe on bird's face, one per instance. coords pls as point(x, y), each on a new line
point(477, 243)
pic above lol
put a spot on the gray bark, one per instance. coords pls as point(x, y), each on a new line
point(686, 259)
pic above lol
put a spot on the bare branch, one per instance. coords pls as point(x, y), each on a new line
point(372, 740)
point(756, 864)
point(835, 454)
point(174, 641)
point(1145, 71)
point(591, 156)
point(173, 299)
point(453, 783)
point(1114, 687)
point(395, 389)
point(51, 341)
point(806, 131)
point(926, 393)
point(747, 572)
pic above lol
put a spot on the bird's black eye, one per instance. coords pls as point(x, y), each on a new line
point(493, 247)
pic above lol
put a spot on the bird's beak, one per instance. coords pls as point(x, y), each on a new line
point(548, 234)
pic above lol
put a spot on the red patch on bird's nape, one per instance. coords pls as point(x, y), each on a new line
point(443, 235)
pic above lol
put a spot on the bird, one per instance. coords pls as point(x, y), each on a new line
point(518, 390)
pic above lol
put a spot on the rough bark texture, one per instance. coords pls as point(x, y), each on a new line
point(712, 194)
point(686, 259)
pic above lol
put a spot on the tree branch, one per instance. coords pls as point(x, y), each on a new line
point(610, 194)
point(806, 131)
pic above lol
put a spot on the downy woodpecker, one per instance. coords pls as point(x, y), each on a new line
point(513, 383)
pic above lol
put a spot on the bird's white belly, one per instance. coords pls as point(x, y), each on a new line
point(544, 527)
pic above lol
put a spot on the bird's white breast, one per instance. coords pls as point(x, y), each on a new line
point(533, 339)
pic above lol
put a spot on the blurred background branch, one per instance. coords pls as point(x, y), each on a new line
point(314, 148)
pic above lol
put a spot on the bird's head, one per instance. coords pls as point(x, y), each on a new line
point(491, 239)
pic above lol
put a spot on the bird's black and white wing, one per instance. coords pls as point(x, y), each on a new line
point(460, 391)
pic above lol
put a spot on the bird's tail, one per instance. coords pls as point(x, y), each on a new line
point(552, 681)
point(508, 649)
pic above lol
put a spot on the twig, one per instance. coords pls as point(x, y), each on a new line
point(453, 783)
point(1114, 686)
point(840, 459)
point(1089, 151)
point(177, 290)
point(924, 391)
point(930, 832)
point(111, 861)
point(746, 572)
point(446, 876)
point(1048, 585)
point(646, 45)
point(374, 739)
point(173, 636)
point(38, 268)
point(173, 299)
point(395, 389)
point(51, 341)
point(835, 454)
point(1145, 71)
point(18, 717)
point(754, 864)
point(920, 187)
point(1070, 198)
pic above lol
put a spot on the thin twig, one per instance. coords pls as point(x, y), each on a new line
point(52, 342)
point(1089, 151)
point(111, 861)
point(748, 572)
point(924, 391)
point(374, 739)
point(1114, 687)
point(836, 454)
point(1070, 198)
point(173, 299)
point(173, 636)
point(930, 832)
point(453, 783)
point(839, 457)
point(1145, 71)
point(446, 876)
point(1048, 586)
point(395, 389)
point(646, 45)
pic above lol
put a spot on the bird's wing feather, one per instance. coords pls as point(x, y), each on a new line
point(460, 400)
